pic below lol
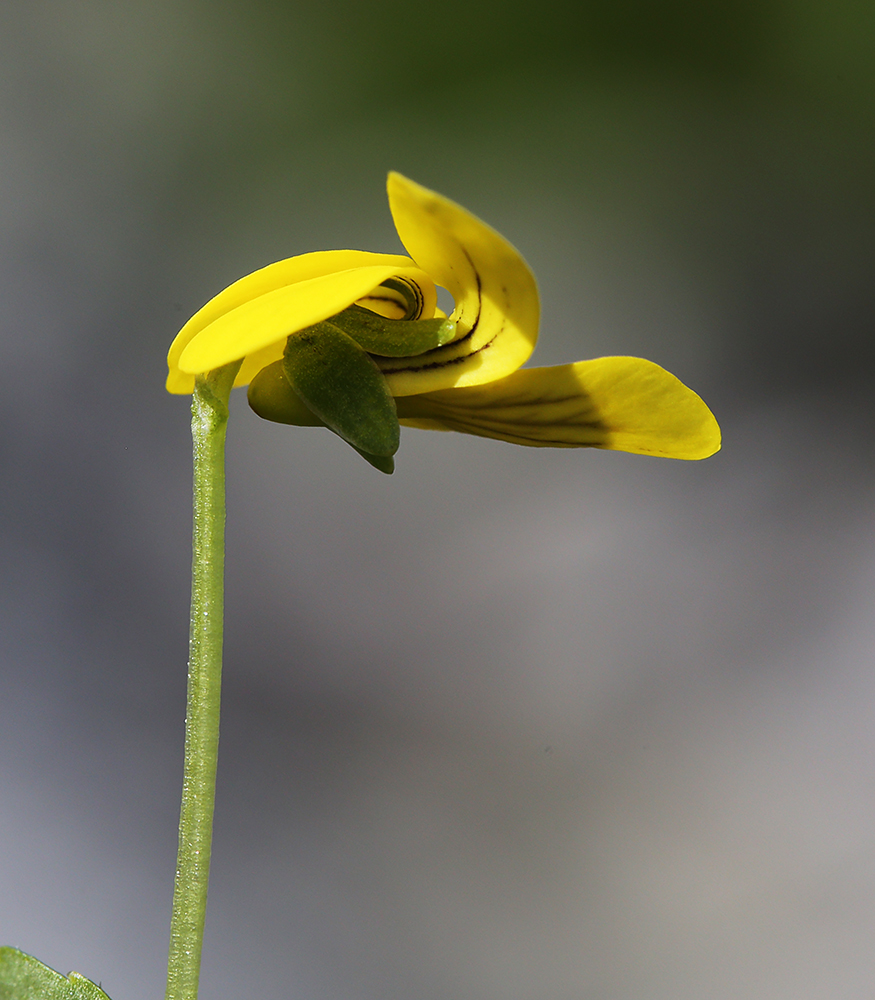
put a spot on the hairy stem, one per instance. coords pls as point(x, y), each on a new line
point(209, 418)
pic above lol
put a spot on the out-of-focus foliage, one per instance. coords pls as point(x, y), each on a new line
point(22, 977)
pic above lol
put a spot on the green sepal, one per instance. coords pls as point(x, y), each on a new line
point(22, 977)
point(382, 463)
point(272, 398)
point(342, 385)
point(393, 338)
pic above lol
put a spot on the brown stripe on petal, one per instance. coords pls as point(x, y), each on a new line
point(396, 298)
point(454, 353)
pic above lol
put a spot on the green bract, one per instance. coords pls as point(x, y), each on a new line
point(461, 372)
point(342, 386)
point(394, 338)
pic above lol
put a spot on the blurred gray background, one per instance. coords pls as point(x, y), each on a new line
point(512, 724)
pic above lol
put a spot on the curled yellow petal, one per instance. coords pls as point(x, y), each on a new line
point(252, 317)
point(497, 308)
point(623, 404)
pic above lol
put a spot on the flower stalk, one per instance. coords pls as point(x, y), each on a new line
point(209, 411)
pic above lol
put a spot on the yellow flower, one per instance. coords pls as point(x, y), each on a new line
point(360, 337)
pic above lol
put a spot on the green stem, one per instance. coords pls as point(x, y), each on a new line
point(209, 418)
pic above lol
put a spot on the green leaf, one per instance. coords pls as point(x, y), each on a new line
point(272, 398)
point(22, 977)
point(341, 384)
point(393, 338)
point(382, 463)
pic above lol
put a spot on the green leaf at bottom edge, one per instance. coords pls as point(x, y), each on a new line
point(23, 977)
point(382, 463)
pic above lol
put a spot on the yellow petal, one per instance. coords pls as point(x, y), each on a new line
point(255, 314)
point(624, 404)
point(497, 308)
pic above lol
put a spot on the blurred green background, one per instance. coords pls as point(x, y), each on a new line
point(509, 724)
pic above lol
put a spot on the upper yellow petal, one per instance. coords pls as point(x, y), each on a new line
point(623, 404)
point(251, 318)
point(497, 308)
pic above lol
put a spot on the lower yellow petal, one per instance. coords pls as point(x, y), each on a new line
point(623, 404)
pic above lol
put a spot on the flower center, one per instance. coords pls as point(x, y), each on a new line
point(396, 298)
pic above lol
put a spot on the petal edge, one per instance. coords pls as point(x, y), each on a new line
point(616, 403)
point(497, 306)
